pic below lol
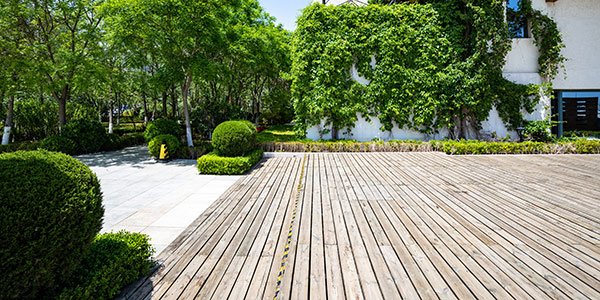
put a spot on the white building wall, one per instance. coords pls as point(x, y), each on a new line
point(578, 21)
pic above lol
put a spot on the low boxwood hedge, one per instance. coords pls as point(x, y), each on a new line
point(115, 260)
point(50, 212)
point(213, 163)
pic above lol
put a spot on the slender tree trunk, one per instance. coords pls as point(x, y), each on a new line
point(118, 96)
point(188, 126)
point(61, 99)
point(145, 103)
point(174, 101)
point(100, 111)
point(164, 103)
point(155, 103)
point(111, 107)
point(8, 124)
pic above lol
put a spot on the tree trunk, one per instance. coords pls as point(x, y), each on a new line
point(100, 111)
point(118, 95)
point(188, 126)
point(174, 101)
point(155, 103)
point(8, 124)
point(111, 107)
point(164, 103)
point(145, 103)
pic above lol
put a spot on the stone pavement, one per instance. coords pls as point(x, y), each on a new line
point(158, 199)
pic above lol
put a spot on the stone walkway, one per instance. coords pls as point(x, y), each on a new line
point(161, 200)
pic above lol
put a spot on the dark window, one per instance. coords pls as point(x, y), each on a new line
point(517, 24)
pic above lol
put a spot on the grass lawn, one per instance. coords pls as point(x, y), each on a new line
point(278, 133)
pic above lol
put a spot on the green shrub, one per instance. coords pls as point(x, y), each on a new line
point(58, 143)
point(88, 135)
point(34, 120)
point(112, 142)
point(173, 145)
point(233, 138)
point(132, 139)
point(50, 212)
point(161, 127)
point(115, 260)
point(212, 163)
point(250, 125)
point(537, 131)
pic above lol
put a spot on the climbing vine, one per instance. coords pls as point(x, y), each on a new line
point(438, 66)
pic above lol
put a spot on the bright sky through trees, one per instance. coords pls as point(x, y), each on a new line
point(286, 11)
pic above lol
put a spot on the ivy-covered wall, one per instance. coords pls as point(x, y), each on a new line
point(438, 68)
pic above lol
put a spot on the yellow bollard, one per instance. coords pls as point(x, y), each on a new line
point(164, 153)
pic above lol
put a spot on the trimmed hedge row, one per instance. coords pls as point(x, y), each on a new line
point(579, 146)
point(115, 261)
point(213, 163)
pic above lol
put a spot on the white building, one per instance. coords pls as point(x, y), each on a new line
point(577, 91)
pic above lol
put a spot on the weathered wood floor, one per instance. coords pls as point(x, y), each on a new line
point(395, 225)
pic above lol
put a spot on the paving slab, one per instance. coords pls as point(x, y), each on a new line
point(158, 199)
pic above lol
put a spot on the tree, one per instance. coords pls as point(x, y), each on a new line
point(62, 38)
point(185, 35)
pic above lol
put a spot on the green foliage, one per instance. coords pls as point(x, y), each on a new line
point(160, 127)
point(112, 142)
point(538, 131)
point(173, 145)
point(35, 120)
point(233, 138)
point(132, 139)
point(88, 135)
point(277, 133)
point(115, 260)
point(213, 163)
point(50, 212)
point(277, 106)
point(208, 114)
point(25, 146)
point(578, 133)
point(59, 143)
point(250, 125)
point(438, 65)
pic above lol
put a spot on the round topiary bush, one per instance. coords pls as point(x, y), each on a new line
point(59, 143)
point(250, 125)
point(112, 142)
point(88, 135)
point(173, 145)
point(160, 127)
point(50, 212)
point(233, 138)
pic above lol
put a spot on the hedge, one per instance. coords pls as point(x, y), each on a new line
point(50, 212)
point(115, 260)
point(213, 163)
point(234, 138)
point(578, 146)
point(88, 135)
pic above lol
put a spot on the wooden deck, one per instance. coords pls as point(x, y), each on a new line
point(392, 226)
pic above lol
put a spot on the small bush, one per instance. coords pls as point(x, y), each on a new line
point(112, 142)
point(58, 143)
point(250, 125)
point(173, 145)
point(115, 260)
point(212, 163)
point(161, 127)
point(537, 131)
point(233, 138)
point(88, 135)
point(50, 212)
